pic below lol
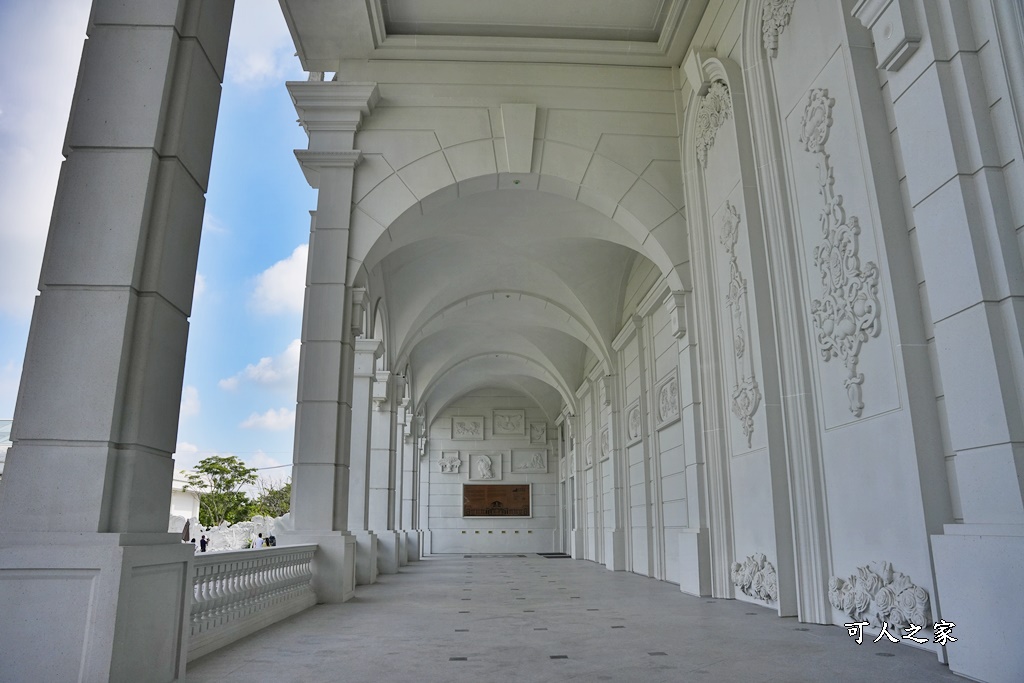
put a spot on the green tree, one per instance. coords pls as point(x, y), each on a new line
point(273, 499)
point(219, 480)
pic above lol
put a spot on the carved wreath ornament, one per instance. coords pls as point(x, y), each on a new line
point(774, 20)
point(756, 577)
point(848, 312)
point(713, 111)
point(880, 594)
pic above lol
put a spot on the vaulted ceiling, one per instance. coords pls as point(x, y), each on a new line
point(507, 289)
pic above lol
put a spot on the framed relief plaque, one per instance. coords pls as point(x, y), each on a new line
point(468, 428)
point(509, 423)
point(496, 500)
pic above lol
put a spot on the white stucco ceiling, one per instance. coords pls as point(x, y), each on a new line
point(626, 32)
point(506, 289)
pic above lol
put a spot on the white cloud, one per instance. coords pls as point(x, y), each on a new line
point(40, 43)
point(261, 52)
point(189, 402)
point(272, 420)
point(186, 456)
point(281, 371)
point(200, 287)
point(281, 287)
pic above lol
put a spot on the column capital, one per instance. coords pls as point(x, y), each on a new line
point(675, 304)
point(381, 385)
point(366, 352)
point(313, 163)
point(895, 28)
point(332, 106)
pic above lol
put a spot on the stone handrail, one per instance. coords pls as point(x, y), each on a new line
point(237, 593)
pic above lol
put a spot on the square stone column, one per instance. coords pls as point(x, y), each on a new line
point(381, 491)
point(951, 68)
point(92, 587)
point(366, 353)
point(333, 316)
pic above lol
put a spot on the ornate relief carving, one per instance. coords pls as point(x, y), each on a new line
point(528, 462)
point(485, 466)
point(606, 443)
point(774, 20)
point(882, 595)
point(633, 423)
point(468, 428)
point(538, 432)
point(746, 396)
point(756, 577)
point(712, 112)
point(668, 400)
point(508, 423)
point(848, 313)
point(588, 454)
point(450, 462)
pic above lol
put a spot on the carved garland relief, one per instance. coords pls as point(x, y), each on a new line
point(774, 20)
point(882, 595)
point(848, 312)
point(756, 577)
point(746, 395)
point(713, 111)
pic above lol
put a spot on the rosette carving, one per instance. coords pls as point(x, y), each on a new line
point(848, 312)
point(774, 20)
point(756, 577)
point(879, 594)
point(715, 107)
point(668, 401)
point(634, 423)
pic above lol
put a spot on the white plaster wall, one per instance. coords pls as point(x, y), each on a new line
point(449, 531)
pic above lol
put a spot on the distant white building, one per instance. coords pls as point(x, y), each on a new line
point(183, 503)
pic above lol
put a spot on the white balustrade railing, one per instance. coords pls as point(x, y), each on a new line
point(237, 593)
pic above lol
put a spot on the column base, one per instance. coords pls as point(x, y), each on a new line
point(388, 549)
point(978, 574)
point(414, 544)
point(94, 607)
point(576, 544)
point(366, 558)
point(334, 565)
point(403, 548)
point(615, 550)
point(694, 562)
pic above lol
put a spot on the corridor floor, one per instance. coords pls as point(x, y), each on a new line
point(530, 618)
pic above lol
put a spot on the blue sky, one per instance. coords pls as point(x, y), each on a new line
point(242, 363)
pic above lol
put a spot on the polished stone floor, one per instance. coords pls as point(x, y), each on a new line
point(529, 618)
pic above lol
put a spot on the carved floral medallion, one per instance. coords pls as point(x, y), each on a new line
point(880, 594)
point(715, 107)
point(668, 401)
point(774, 20)
point(756, 577)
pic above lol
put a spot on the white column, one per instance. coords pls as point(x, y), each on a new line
point(92, 587)
point(330, 113)
point(363, 376)
point(956, 158)
point(614, 533)
point(409, 482)
point(381, 489)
